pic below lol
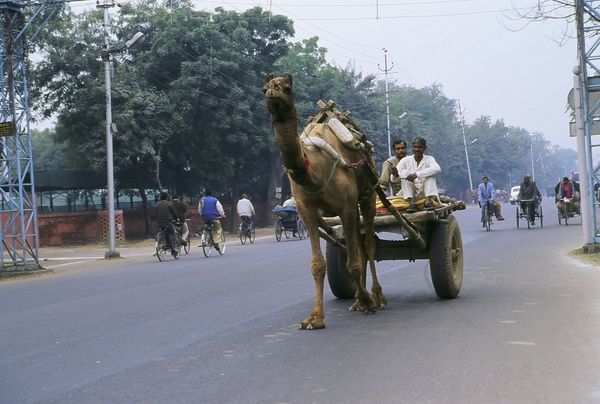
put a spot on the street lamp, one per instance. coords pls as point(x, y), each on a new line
point(106, 52)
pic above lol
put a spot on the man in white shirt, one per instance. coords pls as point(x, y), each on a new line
point(245, 210)
point(417, 175)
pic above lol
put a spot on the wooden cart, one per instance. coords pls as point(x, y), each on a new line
point(433, 235)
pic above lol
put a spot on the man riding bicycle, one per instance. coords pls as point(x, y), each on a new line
point(165, 215)
point(245, 211)
point(529, 191)
point(211, 210)
point(485, 193)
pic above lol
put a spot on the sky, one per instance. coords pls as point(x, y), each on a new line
point(493, 63)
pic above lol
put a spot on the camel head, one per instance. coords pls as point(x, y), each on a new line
point(279, 97)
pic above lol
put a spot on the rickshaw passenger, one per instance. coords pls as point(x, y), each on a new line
point(529, 190)
point(567, 189)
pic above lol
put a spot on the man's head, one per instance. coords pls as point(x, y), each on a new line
point(399, 148)
point(485, 180)
point(244, 196)
point(164, 196)
point(419, 145)
point(565, 179)
point(527, 178)
point(208, 192)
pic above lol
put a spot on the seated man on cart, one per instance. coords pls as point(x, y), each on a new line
point(570, 190)
point(529, 192)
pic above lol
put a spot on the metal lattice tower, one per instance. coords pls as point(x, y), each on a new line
point(18, 218)
point(587, 95)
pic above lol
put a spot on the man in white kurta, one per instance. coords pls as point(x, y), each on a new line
point(417, 175)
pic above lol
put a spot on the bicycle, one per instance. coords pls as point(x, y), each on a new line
point(208, 243)
point(185, 242)
point(246, 230)
point(487, 215)
point(162, 245)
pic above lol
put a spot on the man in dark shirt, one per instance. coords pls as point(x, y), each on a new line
point(165, 214)
point(181, 208)
point(529, 191)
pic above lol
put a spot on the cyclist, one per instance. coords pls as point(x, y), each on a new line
point(486, 192)
point(245, 211)
point(181, 208)
point(165, 215)
point(567, 189)
point(211, 210)
point(529, 190)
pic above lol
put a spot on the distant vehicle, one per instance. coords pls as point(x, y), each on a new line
point(514, 192)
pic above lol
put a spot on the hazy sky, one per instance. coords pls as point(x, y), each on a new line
point(471, 47)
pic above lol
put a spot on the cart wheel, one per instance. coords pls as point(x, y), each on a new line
point(518, 217)
point(341, 283)
point(278, 230)
point(161, 250)
point(301, 230)
point(446, 258)
point(542, 216)
point(252, 236)
point(242, 233)
point(206, 243)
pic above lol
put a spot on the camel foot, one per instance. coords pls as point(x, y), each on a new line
point(312, 323)
point(366, 306)
point(380, 300)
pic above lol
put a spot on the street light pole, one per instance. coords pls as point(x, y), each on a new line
point(106, 52)
point(112, 252)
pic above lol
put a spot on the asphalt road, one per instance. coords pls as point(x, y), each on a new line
point(525, 327)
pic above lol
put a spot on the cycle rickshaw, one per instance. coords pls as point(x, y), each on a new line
point(524, 214)
point(565, 210)
point(289, 223)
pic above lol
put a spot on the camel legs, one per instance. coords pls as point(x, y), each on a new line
point(369, 224)
point(355, 264)
point(316, 320)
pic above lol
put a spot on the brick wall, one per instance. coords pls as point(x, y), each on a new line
point(88, 227)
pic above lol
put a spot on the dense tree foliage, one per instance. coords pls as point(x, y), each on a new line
point(190, 114)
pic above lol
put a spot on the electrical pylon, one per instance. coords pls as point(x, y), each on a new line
point(18, 217)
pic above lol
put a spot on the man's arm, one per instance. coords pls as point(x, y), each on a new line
point(432, 169)
point(220, 209)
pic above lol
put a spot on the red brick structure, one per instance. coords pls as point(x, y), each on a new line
point(89, 227)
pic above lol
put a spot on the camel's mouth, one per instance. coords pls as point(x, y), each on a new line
point(272, 93)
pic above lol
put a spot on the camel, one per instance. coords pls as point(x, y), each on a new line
point(322, 183)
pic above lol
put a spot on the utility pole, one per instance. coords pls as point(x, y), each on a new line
point(462, 127)
point(385, 70)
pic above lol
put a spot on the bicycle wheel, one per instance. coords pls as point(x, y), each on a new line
point(161, 248)
point(186, 246)
point(222, 244)
point(518, 217)
point(541, 216)
point(566, 213)
point(487, 219)
point(177, 245)
point(207, 242)
point(242, 233)
point(559, 213)
point(288, 232)
point(301, 230)
point(528, 213)
point(278, 230)
point(252, 235)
